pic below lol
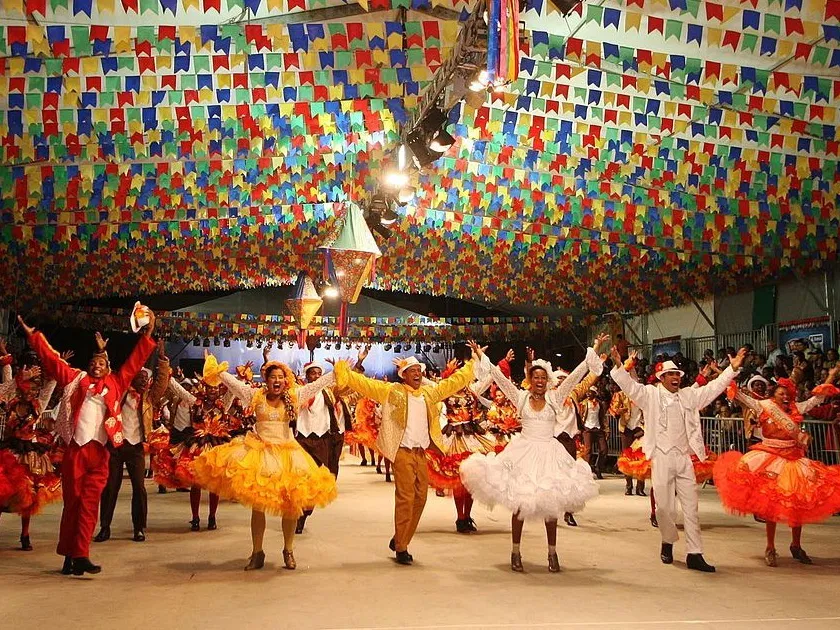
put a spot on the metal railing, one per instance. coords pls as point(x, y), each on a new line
point(693, 347)
point(727, 434)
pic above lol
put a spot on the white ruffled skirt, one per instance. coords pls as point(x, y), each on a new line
point(534, 478)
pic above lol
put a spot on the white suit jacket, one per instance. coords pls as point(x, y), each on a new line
point(692, 400)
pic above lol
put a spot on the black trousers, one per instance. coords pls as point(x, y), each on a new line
point(325, 450)
point(132, 456)
point(628, 436)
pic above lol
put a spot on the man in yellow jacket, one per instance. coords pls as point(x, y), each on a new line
point(410, 425)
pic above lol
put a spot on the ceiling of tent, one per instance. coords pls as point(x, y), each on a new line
point(649, 150)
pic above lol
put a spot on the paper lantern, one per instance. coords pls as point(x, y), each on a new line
point(304, 305)
point(349, 260)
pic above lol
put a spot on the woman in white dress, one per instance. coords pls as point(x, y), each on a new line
point(534, 477)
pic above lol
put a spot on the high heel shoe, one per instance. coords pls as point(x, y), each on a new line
point(653, 521)
point(553, 563)
point(195, 525)
point(770, 558)
point(25, 545)
point(256, 561)
point(388, 477)
point(211, 523)
point(289, 560)
point(516, 562)
point(798, 553)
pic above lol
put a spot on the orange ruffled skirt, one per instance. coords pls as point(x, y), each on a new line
point(632, 462)
point(277, 478)
point(792, 490)
point(23, 491)
point(445, 470)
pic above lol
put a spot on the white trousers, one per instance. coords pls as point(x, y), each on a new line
point(672, 475)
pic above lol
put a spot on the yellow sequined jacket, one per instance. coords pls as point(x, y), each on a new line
point(394, 400)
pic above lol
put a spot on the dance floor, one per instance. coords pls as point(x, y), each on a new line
point(346, 577)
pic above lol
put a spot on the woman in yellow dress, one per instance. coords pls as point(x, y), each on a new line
point(267, 469)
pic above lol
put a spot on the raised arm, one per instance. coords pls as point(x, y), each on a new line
point(592, 363)
point(745, 400)
point(479, 387)
point(53, 364)
point(181, 393)
point(136, 360)
point(362, 385)
point(821, 392)
point(452, 384)
point(240, 389)
point(163, 373)
point(706, 394)
point(581, 388)
point(310, 390)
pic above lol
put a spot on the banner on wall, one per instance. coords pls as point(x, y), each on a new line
point(666, 345)
point(814, 334)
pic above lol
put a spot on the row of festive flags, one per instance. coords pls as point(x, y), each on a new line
point(82, 40)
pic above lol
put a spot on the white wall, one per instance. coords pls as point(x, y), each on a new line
point(684, 321)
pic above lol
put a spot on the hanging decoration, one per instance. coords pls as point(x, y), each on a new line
point(304, 305)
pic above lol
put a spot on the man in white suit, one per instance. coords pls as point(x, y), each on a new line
point(672, 434)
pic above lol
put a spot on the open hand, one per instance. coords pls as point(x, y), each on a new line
point(615, 356)
point(510, 355)
point(33, 372)
point(452, 365)
point(738, 360)
point(477, 351)
point(529, 354)
point(363, 353)
point(601, 338)
point(100, 342)
point(67, 355)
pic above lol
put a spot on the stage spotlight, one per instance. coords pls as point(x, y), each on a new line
point(227, 343)
point(330, 292)
point(436, 349)
point(423, 155)
point(196, 341)
point(397, 175)
point(398, 348)
point(348, 346)
point(427, 348)
point(328, 346)
point(417, 348)
point(441, 141)
point(216, 341)
point(388, 346)
point(206, 342)
point(249, 343)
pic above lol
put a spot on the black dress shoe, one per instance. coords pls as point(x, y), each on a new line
point(392, 545)
point(570, 519)
point(67, 567)
point(161, 489)
point(598, 475)
point(798, 553)
point(461, 526)
point(363, 462)
point(195, 525)
point(696, 562)
point(666, 554)
point(84, 565)
point(387, 477)
point(103, 535)
point(211, 522)
point(139, 536)
point(628, 491)
point(25, 545)
point(379, 470)
point(403, 557)
point(640, 492)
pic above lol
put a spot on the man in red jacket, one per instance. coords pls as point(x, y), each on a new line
point(88, 418)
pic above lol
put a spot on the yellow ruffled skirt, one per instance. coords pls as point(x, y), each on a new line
point(278, 478)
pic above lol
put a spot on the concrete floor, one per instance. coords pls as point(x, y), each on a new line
point(611, 576)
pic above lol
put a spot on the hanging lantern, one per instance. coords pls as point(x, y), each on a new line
point(304, 305)
point(349, 260)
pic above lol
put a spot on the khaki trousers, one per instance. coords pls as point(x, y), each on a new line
point(411, 487)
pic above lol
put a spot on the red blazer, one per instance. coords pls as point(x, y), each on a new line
point(117, 383)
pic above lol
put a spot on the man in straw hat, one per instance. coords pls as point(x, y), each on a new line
point(88, 420)
point(410, 425)
point(672, 433)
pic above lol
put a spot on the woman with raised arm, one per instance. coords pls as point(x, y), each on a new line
point(267, 469)
point(534, 477)
point(774, 480)
point(27, 447)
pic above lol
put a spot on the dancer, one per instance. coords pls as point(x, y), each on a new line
point(463, 435)
point(88, 418)
point(321, 423)
point(774, 480)
point(410, 413)
point(595, 429)
point(757, 387)
point(138, 411)
point(27, 449)
point(534, 477)
point(672, 432)
point(267, 469)
point(631, 426)
point(209, 427)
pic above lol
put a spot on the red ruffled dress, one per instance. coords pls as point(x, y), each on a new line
point(210, 428)
point(774, 480)
point(29, 462)
point(504, 423)
point(633, 462)
point(463, 436)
